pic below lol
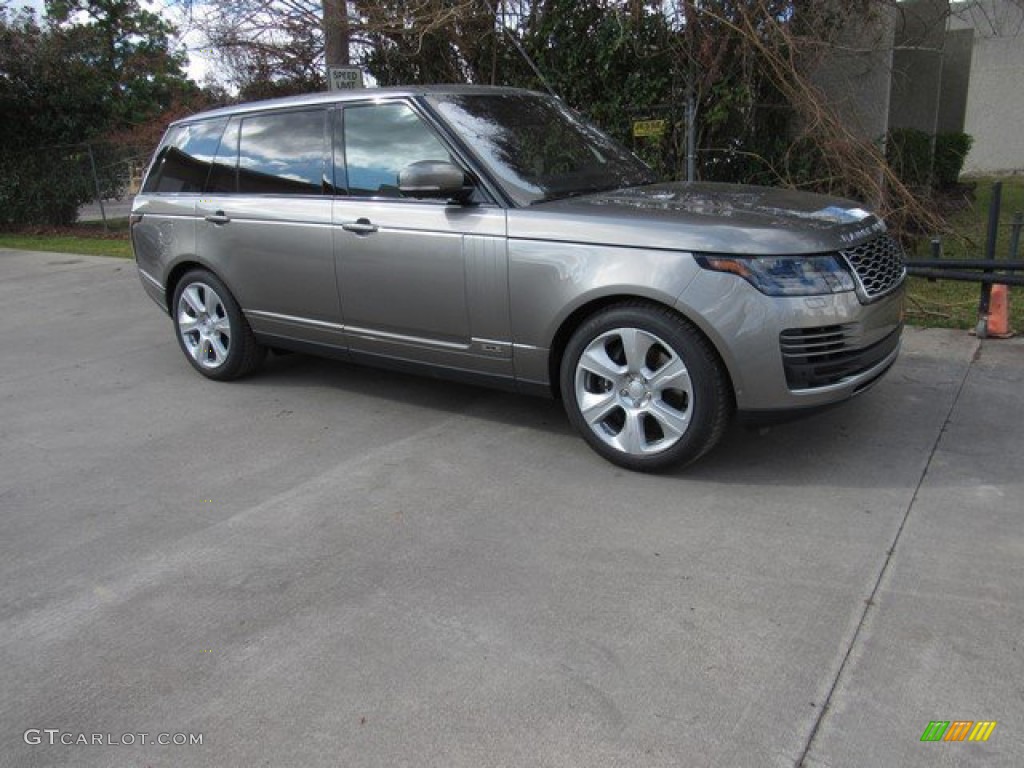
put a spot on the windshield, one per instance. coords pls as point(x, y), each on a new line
point(538, 148)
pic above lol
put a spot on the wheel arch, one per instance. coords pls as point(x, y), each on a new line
point(179, 270)
point(240, 353)
point(584, 312)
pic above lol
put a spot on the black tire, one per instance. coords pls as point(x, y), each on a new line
point(211, 329)
point(651, 393)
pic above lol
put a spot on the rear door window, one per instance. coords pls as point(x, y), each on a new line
point(283, 153)
point(224, 173)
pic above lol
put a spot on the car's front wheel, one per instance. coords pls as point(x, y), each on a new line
point(211, 329)
point(644, 387)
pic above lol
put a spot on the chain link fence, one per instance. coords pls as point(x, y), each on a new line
point(45, 186)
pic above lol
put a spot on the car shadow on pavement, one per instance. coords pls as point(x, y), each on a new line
point(509, 408)
point(865, 443)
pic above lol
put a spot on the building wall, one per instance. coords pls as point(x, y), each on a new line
point(995, 100)
point(917, 65)
point(956, 80)
point(938, 67)
point(856, 76)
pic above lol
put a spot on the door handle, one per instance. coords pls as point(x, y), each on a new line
point(218, 218)
point(360, 227)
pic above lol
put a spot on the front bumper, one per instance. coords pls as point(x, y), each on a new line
point(796, 353)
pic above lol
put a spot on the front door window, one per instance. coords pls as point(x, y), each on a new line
point(380, 140)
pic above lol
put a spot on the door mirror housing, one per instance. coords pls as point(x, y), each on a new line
point(435, 179)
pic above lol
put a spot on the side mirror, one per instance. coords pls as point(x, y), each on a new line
point(434, 179)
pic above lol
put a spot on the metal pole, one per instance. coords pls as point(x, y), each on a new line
point(936, 253)
point(522, 52)
point(968, 277)
point(985, 300)
point(96, 183)
point(688, 13)
point(1018, 222)
point(691, 136)
point(994, 211)
point(1017, 265)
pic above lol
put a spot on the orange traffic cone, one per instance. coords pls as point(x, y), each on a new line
point(998, 320)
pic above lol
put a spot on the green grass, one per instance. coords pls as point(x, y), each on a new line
point(90, 246)
point(86, 238)
point(948, 304)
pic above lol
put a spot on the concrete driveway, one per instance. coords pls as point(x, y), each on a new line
point(326, 565)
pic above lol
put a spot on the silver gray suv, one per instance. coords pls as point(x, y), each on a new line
point(491, 235)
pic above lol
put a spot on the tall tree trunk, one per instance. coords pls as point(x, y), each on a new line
point(336, 50)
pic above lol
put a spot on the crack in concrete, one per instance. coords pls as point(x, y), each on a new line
point(869, 603)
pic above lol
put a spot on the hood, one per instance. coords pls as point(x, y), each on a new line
point(703, 217)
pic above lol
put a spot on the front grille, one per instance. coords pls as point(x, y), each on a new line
point(820, 357)
point(878, 265)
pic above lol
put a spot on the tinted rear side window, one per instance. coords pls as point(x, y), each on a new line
point(183, 162)
point(224, 173)
point(283, 154)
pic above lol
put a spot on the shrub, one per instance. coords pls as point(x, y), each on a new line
point(950, 152)
point(909, 154)
point(38, 189)
point(914, 161)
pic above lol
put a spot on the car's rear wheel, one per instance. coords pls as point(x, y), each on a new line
point(211, 329)
point(644, 387)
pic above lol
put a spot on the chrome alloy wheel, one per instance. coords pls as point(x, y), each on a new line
point(204, 325)
point(634, 391)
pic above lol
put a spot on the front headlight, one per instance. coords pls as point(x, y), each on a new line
point(786, 275)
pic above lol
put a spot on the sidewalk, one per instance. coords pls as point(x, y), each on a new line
point(943, 637)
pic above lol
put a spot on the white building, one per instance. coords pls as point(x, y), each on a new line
point(994, 112)
point(936, 67)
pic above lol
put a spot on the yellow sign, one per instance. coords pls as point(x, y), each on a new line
point(648, 128)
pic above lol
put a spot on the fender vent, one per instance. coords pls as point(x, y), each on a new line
point(820, 357)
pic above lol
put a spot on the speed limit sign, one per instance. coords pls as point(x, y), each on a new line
point(345, 78)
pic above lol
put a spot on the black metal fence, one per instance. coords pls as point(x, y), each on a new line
point(987, 271)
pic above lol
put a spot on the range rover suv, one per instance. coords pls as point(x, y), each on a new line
point(491, 235)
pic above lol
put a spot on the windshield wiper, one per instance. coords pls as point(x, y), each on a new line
point(565, 195)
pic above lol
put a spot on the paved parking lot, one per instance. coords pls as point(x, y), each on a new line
point(329, 565)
